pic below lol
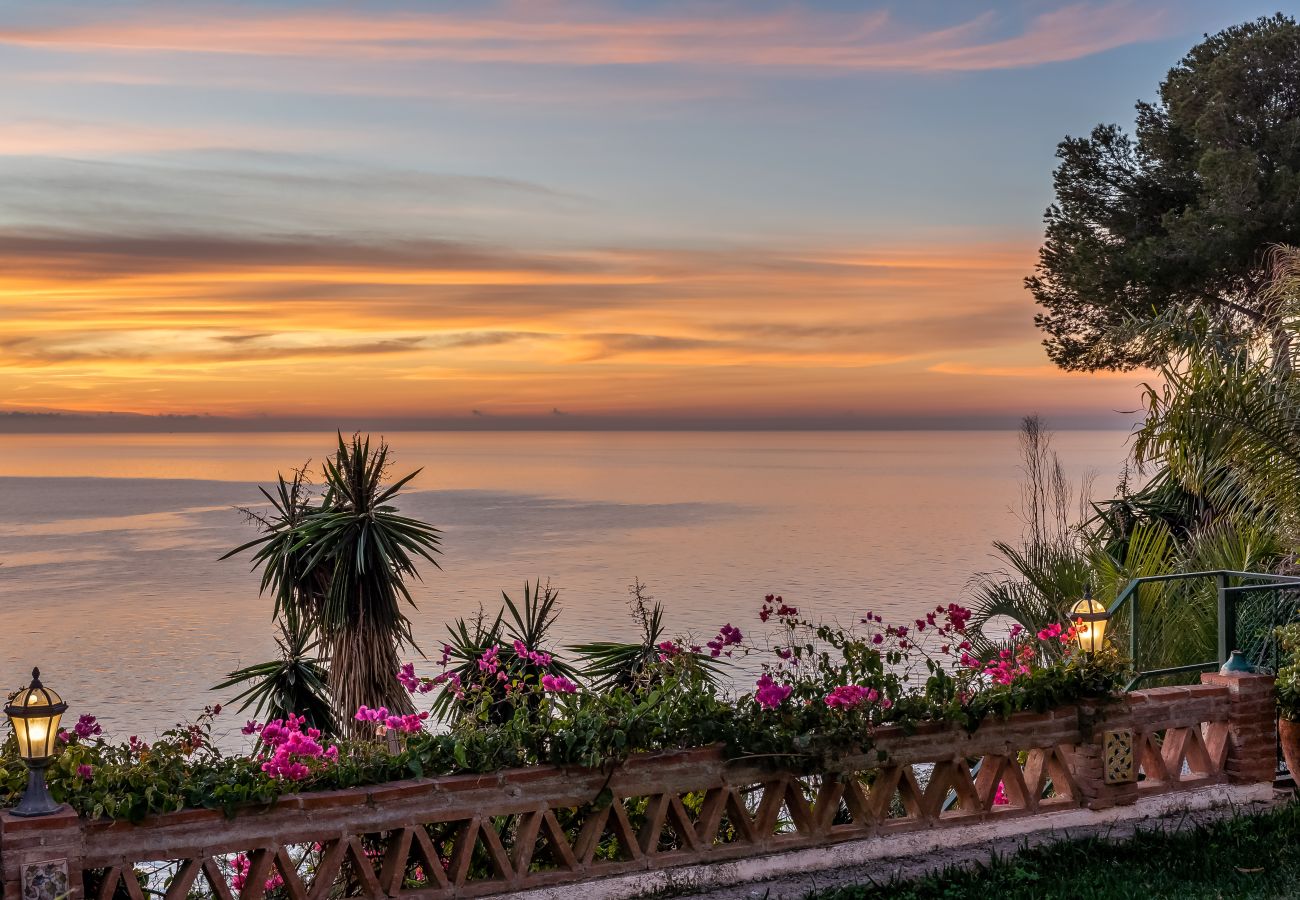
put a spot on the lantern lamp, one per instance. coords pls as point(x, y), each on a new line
point(34, 713)
point(1090, 619)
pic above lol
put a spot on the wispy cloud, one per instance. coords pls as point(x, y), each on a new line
point(570, 34)
point(204, 321)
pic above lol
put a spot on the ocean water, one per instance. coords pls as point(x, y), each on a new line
point(110, 579)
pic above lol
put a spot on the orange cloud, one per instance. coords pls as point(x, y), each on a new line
point(564, 34)
point(225, 325)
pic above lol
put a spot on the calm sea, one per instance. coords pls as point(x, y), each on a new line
point(109, 544)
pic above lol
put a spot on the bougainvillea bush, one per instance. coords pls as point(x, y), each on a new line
point(801, 696)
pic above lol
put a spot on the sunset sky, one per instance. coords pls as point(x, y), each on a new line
point(773, 212)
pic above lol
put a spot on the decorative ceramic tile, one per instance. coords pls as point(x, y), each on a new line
point(46, 880)
point(1117, 748)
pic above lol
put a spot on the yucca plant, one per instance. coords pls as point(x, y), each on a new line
point(343, 563)
point(466, 644)
point(297, 682)
point(617, 664)
point(282, 558)
point(527, 624)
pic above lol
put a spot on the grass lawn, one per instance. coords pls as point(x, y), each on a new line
point(1248, 857)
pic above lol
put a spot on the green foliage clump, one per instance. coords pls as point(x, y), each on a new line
point(1288, 674)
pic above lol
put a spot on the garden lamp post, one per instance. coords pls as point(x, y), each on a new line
point(1090, 619)
point(34, 713)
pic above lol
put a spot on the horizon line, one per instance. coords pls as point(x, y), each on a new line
point(63, 422)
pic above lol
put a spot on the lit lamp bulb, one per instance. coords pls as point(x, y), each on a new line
point(1090, 619)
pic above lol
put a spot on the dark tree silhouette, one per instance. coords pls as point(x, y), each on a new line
point(1179, 217)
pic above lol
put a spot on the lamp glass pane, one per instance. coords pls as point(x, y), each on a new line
point(1090, 634)
point(20, 732)
point(51, 733)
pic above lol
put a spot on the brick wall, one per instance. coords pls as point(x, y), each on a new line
point(475, 835)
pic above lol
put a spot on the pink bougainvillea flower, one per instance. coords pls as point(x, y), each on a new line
point(364, 714)
point(407, 678)
point(85, 771)
point(769, 694)
point(848, 696)
point(407, 724)
point(536, 657)
point(293, 747)
point(558, 684)
point(728, 635)
point(958, 616)
point(669, 649)
point(488, 662)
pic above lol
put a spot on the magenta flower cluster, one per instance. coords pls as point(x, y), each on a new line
point(774, 605)
point(668, 650)
point(1010, 664)
point(558, 684)
point(409, 723)
point(291, 749)
point(452, 679)
point(241, 865)
point(1017, 660)
point(728, 636)
point(769, 693)
point(536, 657)
point(849, 696)
point(490, 663)
point(86, 728)
point(945, 622)
point(412, 682)
point(1060, 632)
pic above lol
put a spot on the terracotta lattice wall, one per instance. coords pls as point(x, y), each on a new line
point(476, 835)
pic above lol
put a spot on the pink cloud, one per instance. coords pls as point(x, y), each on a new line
point(567, 34)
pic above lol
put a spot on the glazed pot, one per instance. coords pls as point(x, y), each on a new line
point(1288, 734)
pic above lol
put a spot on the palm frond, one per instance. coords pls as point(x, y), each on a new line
point(297, 682)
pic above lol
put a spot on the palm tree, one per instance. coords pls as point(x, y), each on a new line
point(1235, 405)
point(342, 564)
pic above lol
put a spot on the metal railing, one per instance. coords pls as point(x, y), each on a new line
point(1249, 606)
